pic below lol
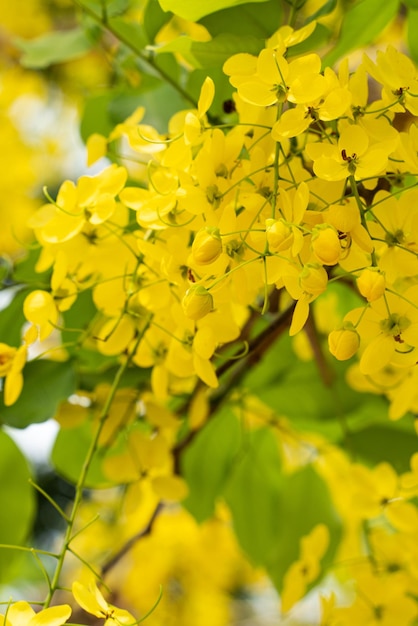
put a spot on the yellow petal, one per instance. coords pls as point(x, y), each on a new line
point(20, 614)
point(90, 598)
point(53, 616)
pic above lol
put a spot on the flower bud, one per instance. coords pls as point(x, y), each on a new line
point(279, 235)
point(344, 217)
point(371, 284)
point(197, 302)
point(343, 343)
point(313, 280)
point(326, 245)
point(207, 246)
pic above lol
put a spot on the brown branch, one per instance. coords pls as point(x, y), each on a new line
point(132, 541)
point(257, 348)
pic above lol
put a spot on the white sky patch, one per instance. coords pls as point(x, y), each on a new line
point(36, 441)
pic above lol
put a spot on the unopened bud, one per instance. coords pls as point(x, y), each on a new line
point(371, 284)
point(326, 245)
point(343, 343)
point(279, 235)
point(197, 302)
point(313, 280)
point(207, 246)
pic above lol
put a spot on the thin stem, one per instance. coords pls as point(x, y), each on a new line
point(137, 51)
point(50, 500)
point(85, 468)
point(360, 205)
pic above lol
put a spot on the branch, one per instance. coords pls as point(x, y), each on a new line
point(132, 541)
point(257, 348)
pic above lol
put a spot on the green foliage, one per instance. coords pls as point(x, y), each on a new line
point(362, 23)
point(16, 501)
point(254, 18)
point(46, 384)
point(211, 53)
point(12, 318)
point(208, 462)
point(254, 495)
point(154, 19)
point(412, 31)
point(70, 451)
point(191, 10)
point(305, 502)
point(55, 47)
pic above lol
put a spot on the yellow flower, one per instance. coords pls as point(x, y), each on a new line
point(371, 284)
point(40, 309)
point(353, 155)
point(207, 246)
point(91, 600)
point(326, 244)
point(399, 77)
point(307, 568)
point(21, 613)
point(343, 343)
point(92, 201)
point(197, 302)
point(12, 361)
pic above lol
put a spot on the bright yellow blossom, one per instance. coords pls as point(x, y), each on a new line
point(21, 614)
point(12, 361)
point(91, 600)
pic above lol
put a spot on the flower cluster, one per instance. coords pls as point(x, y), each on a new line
point(308, 185)
point(308, 190)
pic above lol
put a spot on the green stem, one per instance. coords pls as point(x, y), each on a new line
point(360, 205)
point(85, 468)
point(138, 51)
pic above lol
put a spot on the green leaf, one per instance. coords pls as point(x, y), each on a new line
point(254, 495)
point(46, 384)
point(95, 118)
point(77, 318)
point(258, 20)
point(69, 454)
point(318, 38)
point(17, 502)
point(213, 53)
point(411, 4)
point(362, 23)
point(194, 10)
point(154, 19)
point(55, 47)
point(412, 25)
point(206, 464)
point(305, 502)
point(378, 443)
point(112, 7)
point(24, 268)
point(12, 318)
point(129, 33)
point(326, 8)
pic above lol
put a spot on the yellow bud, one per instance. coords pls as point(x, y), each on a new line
point(345, 217)
point(313, 280)
point(371, 284)
point(207, 246)
point(343, 343)
point(197, 302)
point(279, 235)
point(326, 245)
